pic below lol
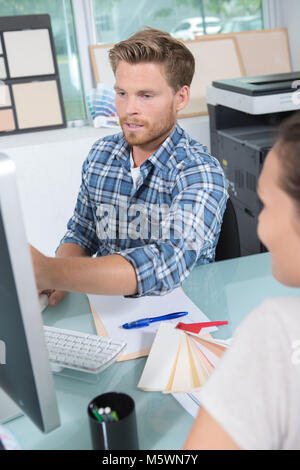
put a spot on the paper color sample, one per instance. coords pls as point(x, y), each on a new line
point(37, 104)
point(7, 122)
point(159, 376)
point(29, 53)
point(4, 96)
point(184, 376)
point(3, 73)
point(177, 363)
point(110, 312)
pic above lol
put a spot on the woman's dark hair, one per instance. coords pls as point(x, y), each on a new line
point(288, 150)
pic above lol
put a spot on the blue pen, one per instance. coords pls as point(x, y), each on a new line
point(146, 321)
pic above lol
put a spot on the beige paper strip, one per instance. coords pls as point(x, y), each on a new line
point(206, 366)
point(203, 368)
point(171, 380)
point(184, 379)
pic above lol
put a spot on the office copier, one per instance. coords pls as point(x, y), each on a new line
point(244, 115)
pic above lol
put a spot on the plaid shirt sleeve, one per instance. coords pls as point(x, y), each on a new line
point(199, 202)
point(81, 228)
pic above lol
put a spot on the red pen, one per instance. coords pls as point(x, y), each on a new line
point(197, 327)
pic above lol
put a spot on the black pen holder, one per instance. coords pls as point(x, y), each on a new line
point(114, 435)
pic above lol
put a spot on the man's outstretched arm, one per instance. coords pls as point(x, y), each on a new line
point(107, 275)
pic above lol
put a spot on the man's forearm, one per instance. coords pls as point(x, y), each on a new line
point(107, 275)
point(70, 250)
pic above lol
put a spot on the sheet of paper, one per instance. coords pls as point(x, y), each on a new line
point(111, 312)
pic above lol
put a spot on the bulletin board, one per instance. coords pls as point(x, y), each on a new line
point(264, 52)
point(102, 70)
point(261, 52)
point(216, 58)
point(30, 90)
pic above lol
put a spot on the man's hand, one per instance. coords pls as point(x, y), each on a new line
point(66, 250)
point(39, 262)
point(41, 267)
point(55, 296)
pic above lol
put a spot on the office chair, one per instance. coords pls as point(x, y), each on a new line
point(229, 241)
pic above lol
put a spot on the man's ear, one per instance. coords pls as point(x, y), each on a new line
point(182, 97)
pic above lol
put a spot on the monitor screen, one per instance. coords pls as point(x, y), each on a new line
point(25, 374)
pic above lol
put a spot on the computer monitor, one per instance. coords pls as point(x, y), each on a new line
point(25, 373)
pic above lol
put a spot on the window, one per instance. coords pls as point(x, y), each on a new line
point(242, 24)
point(184, 19)
point(182, 26)
point(61, 15)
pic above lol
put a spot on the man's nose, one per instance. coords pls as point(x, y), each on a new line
point(132, 105)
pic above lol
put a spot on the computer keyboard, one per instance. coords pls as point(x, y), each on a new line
point(80, 351)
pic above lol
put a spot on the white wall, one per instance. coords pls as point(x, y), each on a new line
point(289, 17)
point(48, 168)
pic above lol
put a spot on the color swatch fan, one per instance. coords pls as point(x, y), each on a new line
point(101, 104)
point(180, 362)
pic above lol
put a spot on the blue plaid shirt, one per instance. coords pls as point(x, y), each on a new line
point(166, 224)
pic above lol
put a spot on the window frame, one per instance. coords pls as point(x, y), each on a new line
point(271, 13)
point(85, 28)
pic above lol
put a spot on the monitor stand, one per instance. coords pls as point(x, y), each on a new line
point(8, 409)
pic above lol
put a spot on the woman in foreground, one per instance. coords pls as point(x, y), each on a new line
point(252, 400)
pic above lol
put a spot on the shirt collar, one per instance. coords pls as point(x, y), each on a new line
point(163, 153)
point(122, 151)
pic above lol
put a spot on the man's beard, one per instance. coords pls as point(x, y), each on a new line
point(148, 134)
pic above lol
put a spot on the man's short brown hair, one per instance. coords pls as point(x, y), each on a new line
point(153, 45)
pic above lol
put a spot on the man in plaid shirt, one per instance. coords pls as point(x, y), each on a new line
point(151, 201)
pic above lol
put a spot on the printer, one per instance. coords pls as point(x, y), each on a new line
point(244, 115)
